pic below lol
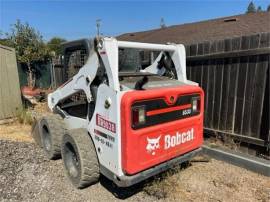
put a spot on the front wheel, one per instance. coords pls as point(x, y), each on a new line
point(51, 130)
point(80, 158)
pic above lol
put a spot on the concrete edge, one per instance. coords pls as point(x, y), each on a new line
point(254, 164)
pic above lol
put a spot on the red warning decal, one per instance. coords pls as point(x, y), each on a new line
point(103, 123)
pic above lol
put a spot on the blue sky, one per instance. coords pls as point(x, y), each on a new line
point(73, 19)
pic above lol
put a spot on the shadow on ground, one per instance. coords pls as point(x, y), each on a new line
point(153, 186)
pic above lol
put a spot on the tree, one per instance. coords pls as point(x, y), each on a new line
point(251, 8)
point(268, 8)
point(29, 47)
point(259, 9)
point(54, 45)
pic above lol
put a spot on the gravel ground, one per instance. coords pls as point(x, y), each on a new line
point(26, 175)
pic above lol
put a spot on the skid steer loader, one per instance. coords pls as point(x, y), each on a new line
point(128, 113)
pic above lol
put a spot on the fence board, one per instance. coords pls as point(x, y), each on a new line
point(225, 94)
point(241, 86)
point(258, 98)
point(218, 93)
point(249, 94)
point(211, 93)
point(205, 86)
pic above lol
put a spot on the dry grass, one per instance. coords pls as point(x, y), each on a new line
point(41, 108)
point(161, 187)
point(210, 181)
point(16, 132)
point(165, 185)
point(24, 116)
point(20, 130)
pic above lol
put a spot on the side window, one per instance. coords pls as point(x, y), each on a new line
point(75, 60)
point(133, 60)
point(66, 66)
point(129, 60)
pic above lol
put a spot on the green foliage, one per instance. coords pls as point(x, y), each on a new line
point(27, 42)
point(5, 42)
point(259, 9)
point(54, 45)
point(251, 8)
point(29, 47)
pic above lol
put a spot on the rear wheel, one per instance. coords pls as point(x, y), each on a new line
point(36, 133)
point(51, 130)
point(80, 158)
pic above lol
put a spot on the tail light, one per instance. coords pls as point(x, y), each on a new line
point(138, 115)
point(195, 104)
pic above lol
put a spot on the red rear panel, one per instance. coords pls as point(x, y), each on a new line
point(171, 126)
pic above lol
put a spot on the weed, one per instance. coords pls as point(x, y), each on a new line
point(163, 185)
point(24, 116)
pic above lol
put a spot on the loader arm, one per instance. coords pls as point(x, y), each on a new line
point(81, 81)
point(107, 49)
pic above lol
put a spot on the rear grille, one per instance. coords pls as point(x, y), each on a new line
point(158, 111)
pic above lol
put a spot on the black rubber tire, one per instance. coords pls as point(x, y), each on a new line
point(35, 132)
point(80, 158)
point(51, 130)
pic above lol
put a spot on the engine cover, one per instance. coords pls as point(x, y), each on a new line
point(171, 127)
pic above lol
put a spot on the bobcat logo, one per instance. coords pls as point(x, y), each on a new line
point(152, 145)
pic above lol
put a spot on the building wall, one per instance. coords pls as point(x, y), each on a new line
point(10, 94)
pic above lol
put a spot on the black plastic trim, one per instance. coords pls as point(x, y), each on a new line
point(160, 103)
point(126, 180)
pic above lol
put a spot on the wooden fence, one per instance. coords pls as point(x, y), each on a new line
point(10, 94)
point(234, 74)
point(42, 74)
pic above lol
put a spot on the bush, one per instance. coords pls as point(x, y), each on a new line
point(24, 116)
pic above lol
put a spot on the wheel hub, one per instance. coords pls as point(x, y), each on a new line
point(72, 161)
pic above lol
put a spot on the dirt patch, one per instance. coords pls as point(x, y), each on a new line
point(219, 181)
point(212, 181)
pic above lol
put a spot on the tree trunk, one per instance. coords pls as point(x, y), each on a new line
point(31, 79)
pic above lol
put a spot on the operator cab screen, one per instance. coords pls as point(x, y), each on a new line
point(140, 69)
point(134, 60)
